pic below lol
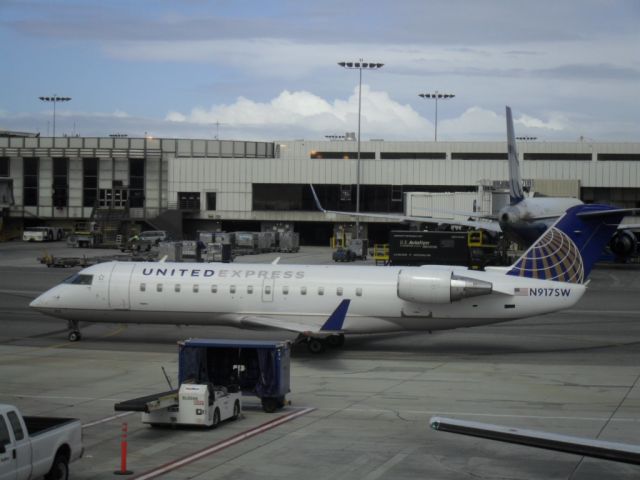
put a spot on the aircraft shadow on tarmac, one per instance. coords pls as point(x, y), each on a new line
point(455, 345)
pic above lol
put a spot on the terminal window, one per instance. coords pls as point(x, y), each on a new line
point(30, 178)
point(189, 200)
point(60, 182)
point(211, 200)
point(89, 182)
point(4, 166)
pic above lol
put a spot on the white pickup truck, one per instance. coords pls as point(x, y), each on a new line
point(33, 447)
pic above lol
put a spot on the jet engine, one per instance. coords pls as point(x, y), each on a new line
point(433, 286)
point(623, 243)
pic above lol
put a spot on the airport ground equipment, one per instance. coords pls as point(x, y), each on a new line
point(428, 248)
point(85, 235)
point(247, 243)
point(33, 447)
point(359, 247)
point(84, 261)
point(259, 368)
point(617, 452)
point(219, 252)
point(289, 242)
point(42, 234)
point(342, 254)
point(203, 405)
point(381, 253)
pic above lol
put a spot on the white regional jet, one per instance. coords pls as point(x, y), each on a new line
point(323, 303)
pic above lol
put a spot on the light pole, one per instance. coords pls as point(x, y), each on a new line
point(436, 95)
point(359, 66)
point(55, 99)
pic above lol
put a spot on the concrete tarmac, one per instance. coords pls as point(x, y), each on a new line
point(360, 412)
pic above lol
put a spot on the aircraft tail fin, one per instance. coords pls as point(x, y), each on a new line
point(567, 251)
point(516, 193)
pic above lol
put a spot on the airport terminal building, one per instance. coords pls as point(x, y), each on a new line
point(190, 184)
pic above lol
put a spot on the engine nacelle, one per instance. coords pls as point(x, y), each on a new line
point(434, 286)
point(623, 243)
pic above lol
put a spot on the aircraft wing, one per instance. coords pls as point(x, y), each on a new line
point(629, 226)
point(317, 324)
point(481, 224)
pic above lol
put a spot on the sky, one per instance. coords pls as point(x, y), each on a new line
point(268, 70)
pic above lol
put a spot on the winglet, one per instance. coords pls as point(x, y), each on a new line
point(516, 193)
point(335, 321)
point(316, 199)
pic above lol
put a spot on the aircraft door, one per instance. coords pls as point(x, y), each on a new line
point(267, 289)
point(119, 286)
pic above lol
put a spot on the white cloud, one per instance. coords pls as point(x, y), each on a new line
point(308, 114)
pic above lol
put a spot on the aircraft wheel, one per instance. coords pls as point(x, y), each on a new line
point(336, 341)
point(315, 345)
point(75, 336)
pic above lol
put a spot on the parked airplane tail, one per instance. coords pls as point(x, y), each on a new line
point(567, 251)
point(516, 193)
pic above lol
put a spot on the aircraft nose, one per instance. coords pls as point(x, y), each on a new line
point(45, 301)
point(39, 302)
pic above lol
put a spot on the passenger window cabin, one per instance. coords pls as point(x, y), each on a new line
point(177, 287)
point(143, 287)
point(159, 287)
point(214, 288)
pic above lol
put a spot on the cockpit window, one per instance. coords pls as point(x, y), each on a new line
point(80, 279)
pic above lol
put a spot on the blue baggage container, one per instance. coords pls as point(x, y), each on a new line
point(256, 367)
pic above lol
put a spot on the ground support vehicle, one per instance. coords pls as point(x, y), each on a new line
point(342, 254)
point(154, 236)
point(259, 368)
point(204, 405)
point(85, 235)
point(65, 262)
point(33, 447)
point(428, 247)
point(42, 234)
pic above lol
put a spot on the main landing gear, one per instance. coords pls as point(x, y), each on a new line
point(318, 345)
point(74, 331)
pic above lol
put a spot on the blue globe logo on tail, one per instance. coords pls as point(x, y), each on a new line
point(553, 257)
point(568, 250)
